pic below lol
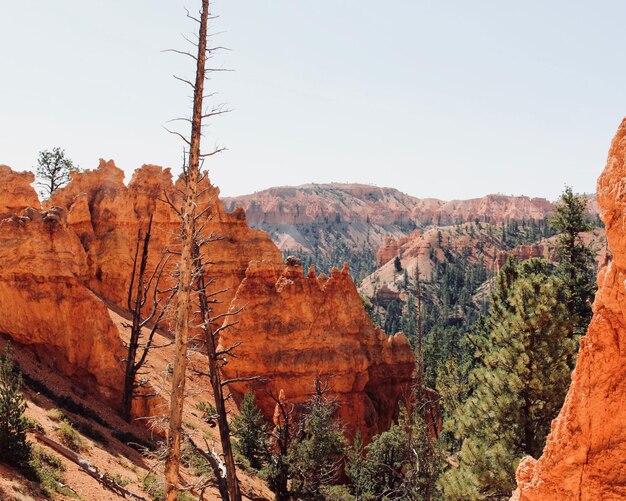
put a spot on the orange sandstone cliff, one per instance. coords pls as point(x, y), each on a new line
point(16, 192)
point(61, 269)
point(294, 327)
point(43, 301)
point(106, 215)
point(585, 455)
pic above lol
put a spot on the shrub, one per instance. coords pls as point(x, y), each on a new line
point(154, 489)
point(14, 448)
point(48, 471)
point(118, 479)
point(209, 413)
point(92, 432)
point(57, 416)
point(70, 437)
point(33, 424)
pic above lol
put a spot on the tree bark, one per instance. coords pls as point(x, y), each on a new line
point(135, 332)
point(185, 270)
point(215, 376)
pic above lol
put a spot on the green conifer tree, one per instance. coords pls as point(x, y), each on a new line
point(14, 448)
point(316, 454)
point(400, 463)
point(518, 385)
point(358, 470)
point(577, 266)
point(250, 430)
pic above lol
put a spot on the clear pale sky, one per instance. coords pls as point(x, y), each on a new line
point(449, 99)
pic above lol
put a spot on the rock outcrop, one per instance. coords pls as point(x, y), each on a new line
point(106, 215)
point(294, 327)
point(62, 269)
point(541, 250)
point(584, 454)
point(44, 304)
point(16, 192)
point(390, 249)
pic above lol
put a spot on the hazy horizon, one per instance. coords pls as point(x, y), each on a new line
point(447, 101)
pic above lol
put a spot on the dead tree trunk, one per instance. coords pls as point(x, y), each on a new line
point(138, 292)
point(215, 360)
point(185, 267)
point(281, 437)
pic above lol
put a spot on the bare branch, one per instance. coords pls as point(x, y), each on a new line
point(178, 134)
point(182, 52)
point(240, 380)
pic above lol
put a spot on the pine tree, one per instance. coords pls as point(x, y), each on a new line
point(387, 457)
point(518, 385)
point(250, 430)
point(316, 454)
point(400, 463)
point(14, 449)
point(397, 264)
point(53, 171)
point(576, 266)
point(358, 470)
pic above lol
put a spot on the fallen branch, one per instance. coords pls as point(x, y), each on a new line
point(87, 467)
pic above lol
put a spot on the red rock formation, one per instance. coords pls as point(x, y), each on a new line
point(524, 252)
point(585, 451)
point(16, 192)
point(388, 250)
point(50, 266)
point(43, 303)
point(294, 327)
point(106, 214)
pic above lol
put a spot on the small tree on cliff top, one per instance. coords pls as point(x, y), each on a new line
point(53, 171)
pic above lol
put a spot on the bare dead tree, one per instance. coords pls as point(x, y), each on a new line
point(139, 292)
point(281, 438)
point(420, 379)
point(211, 327)
point(186, 272)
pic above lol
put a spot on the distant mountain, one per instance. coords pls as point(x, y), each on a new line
point(332, 223)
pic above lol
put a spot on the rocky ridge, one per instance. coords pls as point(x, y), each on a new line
point(63, 267)
point(313, 218)
point(322, 329)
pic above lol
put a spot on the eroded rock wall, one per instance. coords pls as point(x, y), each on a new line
point(61, 269)
point(294, 327)
point(44, 304)
point(106, 215)
point(584, 458)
